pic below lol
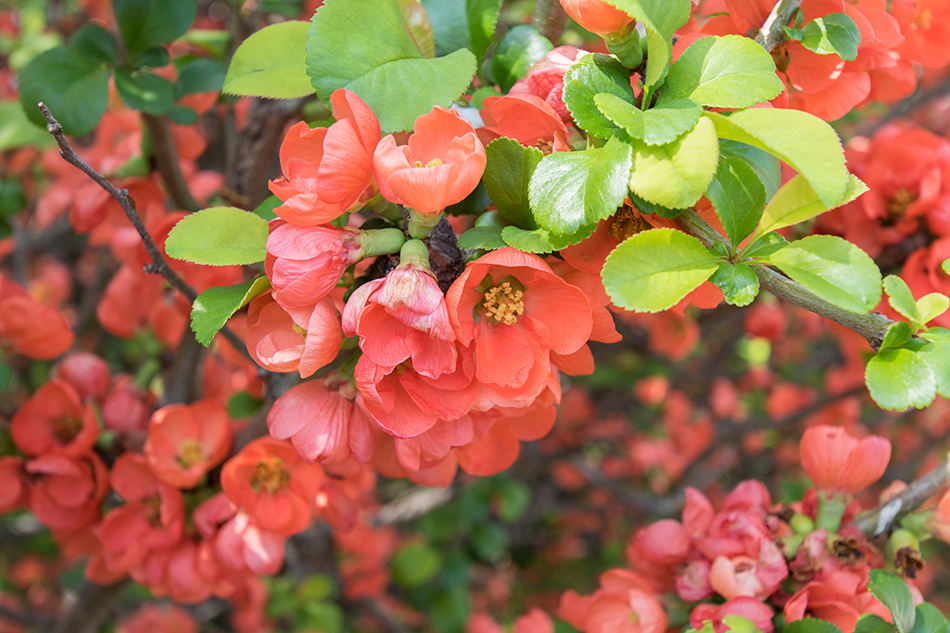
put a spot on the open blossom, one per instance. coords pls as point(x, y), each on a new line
point(328, 171)
point(840, 598)
point(527, 118)
point(545, 78)
point(186, 441)
point(30, 328)
point(624, 603)
point(65, 493)
point(54, 420)
point(836, 461)
point(441, 165)
point(760, 614)
point(597, 16)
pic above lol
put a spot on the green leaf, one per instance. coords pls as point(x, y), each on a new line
point(676, 175)
point(219, 236)
point(415, 564)
point(656, 126)
point(16, 130)
point(901, 298)
point(484, 237)
point(154, 57)
point(75, 89)
point(202, 75)
point(898, 379)
point(767, 167)
point(651, 207)
point(182, 115)
point(512, 500)
point(243, 405)
point(473, 204)
point(870, 623)
point(723, 72)
point(266, 208)
point(803, 141)
point(463, 24)
point(738, 196)
point(835, 33)
point(595, 74)
point(834, 269)
point(364, 46)
point(5, 376)
point(930, 620)
point(738, 283)
point(148, 23)
point(271, 63)
point(507, 175)
point(655, 269)
point(937, 356)
point(661, 18)
point(541, 240)
point(894, 594)
point(213, 307)
point(897, 335)
point(810, 625)
point(931, 306)
point(518, 50)
point(797, 201)
point(144, 91)
point(571, 189)
point(95, 43)
point(946, 266)
point(739, 624)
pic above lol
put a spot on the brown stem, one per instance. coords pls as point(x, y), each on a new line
point(159, 265)
point(882, 518)
point(166, 159)
point(549, 18)
point(27, 618)
point(771, 34)
point(182, 381)
point(91, 608)
point(872, 326)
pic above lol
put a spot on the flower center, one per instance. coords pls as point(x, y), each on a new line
point(625, 223)
point(299, 330)
point(190, 453)
point(922, 20)
point(435, 162)
point(900, 201)
point(66, 428)
point(270, 476)
point(503, 303)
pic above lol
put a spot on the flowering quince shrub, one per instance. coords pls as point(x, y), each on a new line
point(392, 315)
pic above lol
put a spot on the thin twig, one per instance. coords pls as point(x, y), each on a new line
point(166, 160)
point(771, 34)
point(872, 326)
point(882, 518)
point(159, 265)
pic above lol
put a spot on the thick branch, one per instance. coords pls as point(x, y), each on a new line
point(549, 18)
point(872, 326)
point(881, 519)
point(166, 159)
point(159, 265)
point(771, 34)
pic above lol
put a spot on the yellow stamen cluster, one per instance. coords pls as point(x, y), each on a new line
point(900, 201)
point(503, 304)
point(435, 162)
point(270, 476)
point(190, 453)
point(66, 428)
point(626, 223)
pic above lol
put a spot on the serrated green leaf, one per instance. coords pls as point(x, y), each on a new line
point(651, 207)
point(75, 89)
point(835, 33)
point(738, 283)
point(144, 91)
point(202, 75)
point(767, 167)
point(894, 594)
point(571, 189)
point(676, 175)
point(154, 57)
point(213, 307)
point(803, 141)
point(16, 130)
point(901, 298)
point(930, 620)
point(834, 269)
point(661, 18)
point(723, 72)
point(219, 236)
point(364, 46)
point(870, 623)
point(463, 24)
point(595, 74)
point(518, 50)
point(95, 43)
point(739, 624)
point(810, 625)
point(271, 63)
point(148, 23)
point(528, 241)
point(946, 266)
point(931, 306)
point(798, 201)
point(738, 196)
point(899, 379)
point(897, 334)
point(655, 269)
point(656, 126)
point(484, 237)
point(508, 169)
point(937, 355)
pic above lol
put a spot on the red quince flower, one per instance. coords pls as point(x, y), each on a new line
point(328, 171)
point(527, 118)
point(242, 545)
point(545, 79)
point(66, 492)
point(836, 461)
point(54, 420)
point(186, 441)
point(87, 373)
point(273, 485)
point(441, 165)
point(154, 618)
point(30, 328)
point(926, 28)
point(13, 484)
point(323, 421)
point(516, 312)
point(758, 613)
point(624, 603)
point(840, 598)
point(597, 16)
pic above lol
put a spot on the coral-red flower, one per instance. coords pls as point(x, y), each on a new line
point(30, 328)
point(527, 118)
point(186, 441)
point(836, 461)
point(597, 16)
point(55, 421)
point(442, 163)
